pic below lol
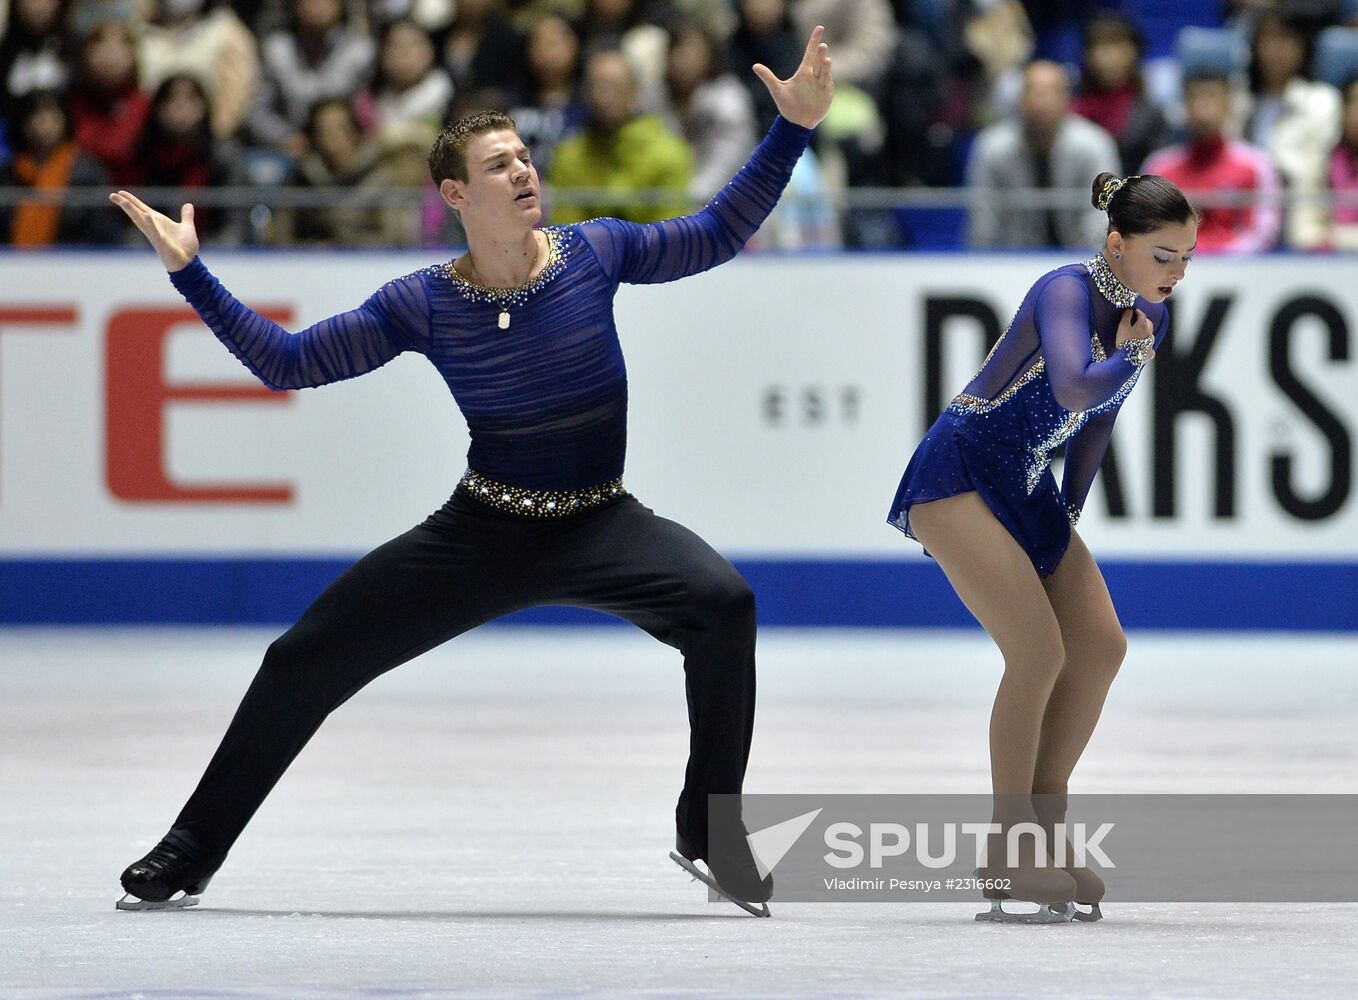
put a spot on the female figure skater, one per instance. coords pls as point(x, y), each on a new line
point(980, 496)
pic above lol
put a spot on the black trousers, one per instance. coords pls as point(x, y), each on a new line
point(468, 564)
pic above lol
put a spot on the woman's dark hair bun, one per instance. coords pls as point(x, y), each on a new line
point(1141, 203)
point(1099, 183)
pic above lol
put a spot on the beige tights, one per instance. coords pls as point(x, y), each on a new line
point(1060, 638)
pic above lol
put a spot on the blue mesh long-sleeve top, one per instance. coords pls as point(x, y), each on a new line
point(546, 399)
point(1055, 377)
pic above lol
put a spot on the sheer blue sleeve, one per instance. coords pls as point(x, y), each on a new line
point(675, 248)
point(394, 319)
point(1084, 455)
point(1085, 451)
point(1078, 381)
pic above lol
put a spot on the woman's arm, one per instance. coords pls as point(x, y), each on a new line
point(1078, 381)
point(1085, 451)
point(1084, 456)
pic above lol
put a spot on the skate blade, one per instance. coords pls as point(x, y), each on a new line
point(1089, 915)
point(180, 902)
point(1048, 913)
point(758, 910)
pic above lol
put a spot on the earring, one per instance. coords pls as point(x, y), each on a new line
point(1116, 255)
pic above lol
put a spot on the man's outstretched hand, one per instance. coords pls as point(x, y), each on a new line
point(804, 97)
point(176, 242)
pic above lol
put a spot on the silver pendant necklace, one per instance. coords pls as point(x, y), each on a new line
point(506, 298)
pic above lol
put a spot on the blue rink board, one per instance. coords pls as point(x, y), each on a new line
point(1314, 596)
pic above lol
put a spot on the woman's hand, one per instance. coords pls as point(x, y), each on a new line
point(1135, 325)
point(804, 97)
point(176, 242)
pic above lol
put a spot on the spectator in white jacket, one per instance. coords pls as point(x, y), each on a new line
point(318, 57)
point(213, 45)
point(710, 108)
point(410, 91)
point(1049, 148)
point(1294, 119)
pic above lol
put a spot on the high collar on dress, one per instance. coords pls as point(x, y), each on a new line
point(1108, 284)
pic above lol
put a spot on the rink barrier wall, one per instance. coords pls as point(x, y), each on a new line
point(146, 476)
point(1306, 597)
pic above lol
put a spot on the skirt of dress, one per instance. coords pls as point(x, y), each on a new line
point(956, 456)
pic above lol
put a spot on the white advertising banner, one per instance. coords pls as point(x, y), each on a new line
point(774, 404)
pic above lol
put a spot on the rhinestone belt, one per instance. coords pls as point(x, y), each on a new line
point(537, 503)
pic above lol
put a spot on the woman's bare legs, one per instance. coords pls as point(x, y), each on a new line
point(1095, 646)
point(997, 582)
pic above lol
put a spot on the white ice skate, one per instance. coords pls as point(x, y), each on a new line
point(179, 901)
point(758, 910)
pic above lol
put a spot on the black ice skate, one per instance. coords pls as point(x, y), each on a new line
point(166, 879)
point(731, 872)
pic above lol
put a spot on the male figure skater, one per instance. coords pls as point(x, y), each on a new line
point(521, 328)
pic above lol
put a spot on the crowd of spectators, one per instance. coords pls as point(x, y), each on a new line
point(620, 97)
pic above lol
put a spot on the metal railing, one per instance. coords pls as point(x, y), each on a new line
point(266, 199)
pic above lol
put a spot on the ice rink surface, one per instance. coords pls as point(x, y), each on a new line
point(493, 820)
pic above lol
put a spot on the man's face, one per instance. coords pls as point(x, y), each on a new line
point(610, 91)
point(1207, 105)
point(1046, 97)
point(502, 186)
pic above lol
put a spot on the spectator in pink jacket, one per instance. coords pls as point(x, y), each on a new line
point(1343, 174)
point(1210, 162)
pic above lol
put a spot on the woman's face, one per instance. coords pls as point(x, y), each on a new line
point(690, 61)
point(110, 58)
point(1153, 263)
point(1351, 114)
point(763, 17)
point(318, 15)
point(40, 16)
point(45, 127)
point(1280, 52)
point(611, 11)
point(1112, 61)
point(334, 134)
point(407, 55)
point(183, 109)
point(553, 49)
point(472, 10)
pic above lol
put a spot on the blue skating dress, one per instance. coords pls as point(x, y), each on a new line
point(1053, 378)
